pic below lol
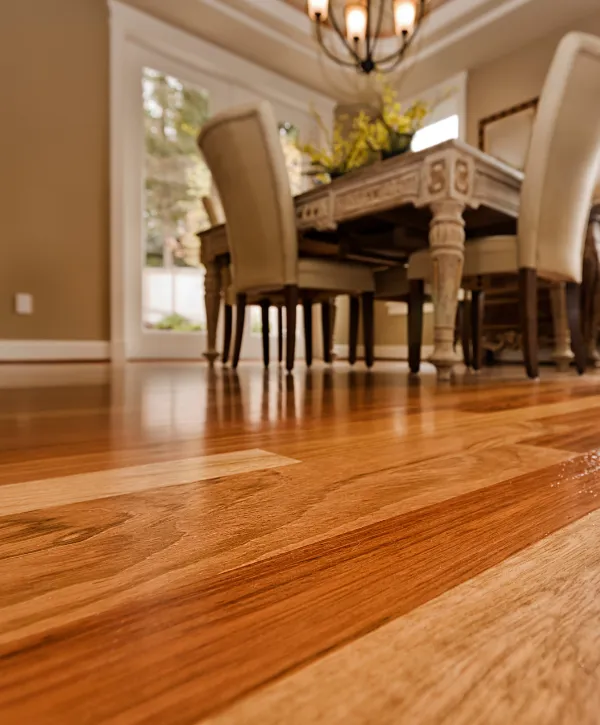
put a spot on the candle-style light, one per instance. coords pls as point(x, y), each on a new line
point(356, 22)
point(405, 14)
point(318, 9)
point(360, 27)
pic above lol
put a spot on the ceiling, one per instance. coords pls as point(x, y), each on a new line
point(456, 36)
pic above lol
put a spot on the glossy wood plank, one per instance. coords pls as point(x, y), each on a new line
point(517, 644)
point(578, 432)
point(50, 492)
point(170, 603)
point(257, 519)
point(216, 639)
point(160, 419)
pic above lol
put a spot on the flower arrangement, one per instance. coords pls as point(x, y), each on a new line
point(393, 129)
point(344, 151)
point(386, 132)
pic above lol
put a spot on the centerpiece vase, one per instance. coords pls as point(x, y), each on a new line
point(399, 144)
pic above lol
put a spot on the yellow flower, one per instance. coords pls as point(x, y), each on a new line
point(347, 150)
point(393, 117)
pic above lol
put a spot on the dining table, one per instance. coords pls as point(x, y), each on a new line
point(442, 196)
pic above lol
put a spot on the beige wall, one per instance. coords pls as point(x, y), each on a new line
point(516, 77)
point(54, 168)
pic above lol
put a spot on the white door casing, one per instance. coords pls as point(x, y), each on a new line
point(138, 41)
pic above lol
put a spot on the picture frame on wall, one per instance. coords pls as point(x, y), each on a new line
point(506, 134)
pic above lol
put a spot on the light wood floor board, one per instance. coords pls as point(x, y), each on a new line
point(517, 644)
point(51, 492)
point(431, 514)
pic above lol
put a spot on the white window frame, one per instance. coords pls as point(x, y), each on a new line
point(138, 40)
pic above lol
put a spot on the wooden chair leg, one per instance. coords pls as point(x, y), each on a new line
point(240, 305)
point(458, 324)
point(264, 306)
point(574, 317)
point(332, 304)
point(308, 331)
point(353, 332)
point(228, 333)
point(465, 333)
point(416, 298)
point(291, 301)
point(529, 322)
point(477, 305)
point(280, 333)
point(326, 327)
point(368, 309)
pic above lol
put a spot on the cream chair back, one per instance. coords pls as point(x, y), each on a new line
point(243, 152)
point(563, 162)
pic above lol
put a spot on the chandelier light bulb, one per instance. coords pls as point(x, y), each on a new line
point(317, 9)
point(356, 22)
point(405, 14)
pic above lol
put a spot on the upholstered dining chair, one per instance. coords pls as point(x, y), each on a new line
point(243, 152)
point(560, 174)
point(229, 299)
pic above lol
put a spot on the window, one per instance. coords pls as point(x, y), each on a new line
point(288, 135)
point(447, 119)
point(176, 179)
point(436, 133)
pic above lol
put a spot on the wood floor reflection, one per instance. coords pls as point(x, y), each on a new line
point(181, 545)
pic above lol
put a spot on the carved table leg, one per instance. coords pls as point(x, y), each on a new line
point(562, 355)
point(447, 242)
point(212, 300)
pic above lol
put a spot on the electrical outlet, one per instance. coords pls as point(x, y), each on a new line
point(23, 303)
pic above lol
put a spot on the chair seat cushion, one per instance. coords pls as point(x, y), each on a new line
point(333, 276)
point(229, 292)
point(488, 255)
point(391, 283)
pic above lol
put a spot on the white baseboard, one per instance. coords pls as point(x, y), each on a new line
point(383, 352)
point(53, 350)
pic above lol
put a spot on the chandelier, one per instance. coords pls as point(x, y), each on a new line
point(362, 28)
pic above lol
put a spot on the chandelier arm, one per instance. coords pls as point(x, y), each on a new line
point(368, 37)
point(378, 28)
point(399, 54)
point(328, 53)
point(347, 45)
point(395, 62)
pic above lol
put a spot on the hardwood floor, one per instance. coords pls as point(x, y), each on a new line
point(180, 545)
